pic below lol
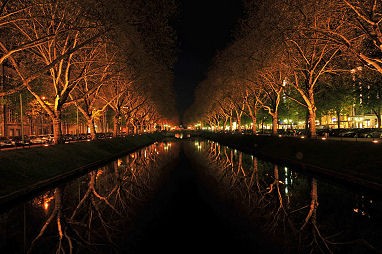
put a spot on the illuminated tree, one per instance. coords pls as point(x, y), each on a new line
point(116, 95)
point(97, 70)
point(358, 30)
point(53, 60)
point(56, 44)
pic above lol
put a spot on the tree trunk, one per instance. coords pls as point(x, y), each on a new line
point(5, 129)
point(307, 122)
point(230, 124)
point(378, 115)
point(338, 119)
point(238, 120)
point(116, 124)
point(142, 127)
point(239, 123)
point(312, 122)
point(274, 123)
point(57, 132)
point(225, 123)
point(91, 126)
point(254, 122)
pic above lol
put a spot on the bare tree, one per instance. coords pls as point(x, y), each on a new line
point(97, 67)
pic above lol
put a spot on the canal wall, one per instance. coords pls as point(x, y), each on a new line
point(24, 171)
point(354, 162)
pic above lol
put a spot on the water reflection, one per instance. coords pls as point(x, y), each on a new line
point(306, 214)
point(90, 214)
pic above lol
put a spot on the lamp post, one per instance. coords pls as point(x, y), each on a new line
point(77, 131)
point(3, 128)
point(104, 122)
point(21, 118)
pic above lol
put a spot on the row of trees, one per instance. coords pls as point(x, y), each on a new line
point(93, 54)
point(306, 53)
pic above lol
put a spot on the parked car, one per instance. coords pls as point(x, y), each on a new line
point(36, 139)
point(335, 132)
point(349, 133)
point(82, 136)
point(323, 132)
point(5, 142)
point(363, 133)
point(18, 141)
point(100, 135)
point(50, 138)
point(46, 138)
point(374, 134)
point(68, 138)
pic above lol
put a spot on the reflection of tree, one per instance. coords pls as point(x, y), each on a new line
point(274, 195)
point(279, 213)
point(98, 204)
point(55, 214)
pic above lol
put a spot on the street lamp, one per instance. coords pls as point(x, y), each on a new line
point(21, 118)
point(77, 130)
point(43, 98)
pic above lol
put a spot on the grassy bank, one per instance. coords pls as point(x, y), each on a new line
point(357, 162)
point(24, 170)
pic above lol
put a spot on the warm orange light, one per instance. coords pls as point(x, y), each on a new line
point(99, 172)
point(46, 202)
point(46, 205)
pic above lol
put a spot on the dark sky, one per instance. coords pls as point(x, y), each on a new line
point(204, 27)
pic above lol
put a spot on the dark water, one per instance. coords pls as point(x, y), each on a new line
point(195, 197)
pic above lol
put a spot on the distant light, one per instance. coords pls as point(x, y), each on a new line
point(323, 138)
point(375, 141)
point(46, 206)
point(302, 136)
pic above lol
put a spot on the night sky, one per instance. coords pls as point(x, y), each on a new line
point(204, 27)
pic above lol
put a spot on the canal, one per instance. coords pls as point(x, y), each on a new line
point(195, 196)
